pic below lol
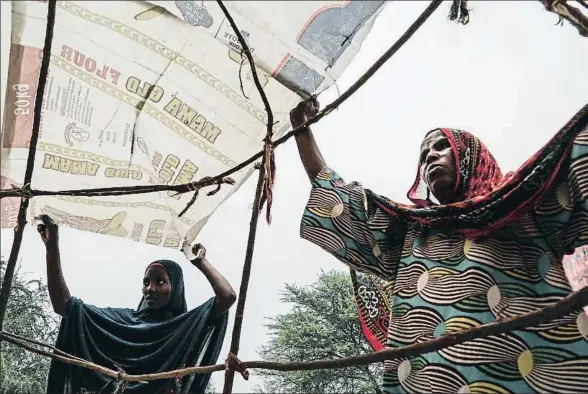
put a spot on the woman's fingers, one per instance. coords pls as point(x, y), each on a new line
point(49, 222)
point(199, 251)
point(303, 111)
point(313, 106)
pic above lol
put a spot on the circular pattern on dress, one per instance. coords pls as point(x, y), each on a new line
point(467, 246)
point(439, 330)
point(543, 265)
point(562, 194)
point(493, 295)
point(376, 250)
point(404, 370)
point(337, 210)
point(525, 363)
point(582, 322)
point(422, 282)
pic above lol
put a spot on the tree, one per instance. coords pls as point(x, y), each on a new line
point(28, 314)
point(323, 324)
point(211, 388)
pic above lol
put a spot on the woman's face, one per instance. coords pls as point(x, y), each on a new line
point(156, 287)
point(438, 166)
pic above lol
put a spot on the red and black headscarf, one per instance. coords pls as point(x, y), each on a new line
point(487, 199)
point(477, 170)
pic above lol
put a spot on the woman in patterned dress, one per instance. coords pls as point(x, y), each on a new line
point(491, 249)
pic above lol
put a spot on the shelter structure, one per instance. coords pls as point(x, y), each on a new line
point(263, 163)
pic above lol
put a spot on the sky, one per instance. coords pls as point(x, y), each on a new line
point(511, 77)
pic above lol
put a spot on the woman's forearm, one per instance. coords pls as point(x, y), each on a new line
point(58, 291)
point(224, 292)
point(311, 156)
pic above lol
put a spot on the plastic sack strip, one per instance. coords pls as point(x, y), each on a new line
point(158, 93)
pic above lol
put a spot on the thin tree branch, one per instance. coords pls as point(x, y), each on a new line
point(38, 343)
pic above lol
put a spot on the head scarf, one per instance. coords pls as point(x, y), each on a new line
point(177, 302)
point(139, 342)
point(477, 171)
point(488, 200)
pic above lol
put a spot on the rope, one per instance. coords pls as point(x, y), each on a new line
point(571, 303)
point(219, 183)
point(232, 363)
point(268, 154)
point(460, 12)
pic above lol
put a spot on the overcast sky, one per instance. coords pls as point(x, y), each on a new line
point(510, 77)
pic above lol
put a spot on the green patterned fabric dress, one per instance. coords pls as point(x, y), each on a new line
point(437, 282)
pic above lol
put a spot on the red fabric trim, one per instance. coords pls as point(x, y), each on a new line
point(369, 335)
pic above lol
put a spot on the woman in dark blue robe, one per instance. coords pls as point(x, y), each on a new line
point(160, 335)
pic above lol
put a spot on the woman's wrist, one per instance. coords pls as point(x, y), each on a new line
point(52, 247)
point(199, 262)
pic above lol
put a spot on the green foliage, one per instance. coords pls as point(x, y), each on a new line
point(323, 324)
point(28, 314)
point(211, 389)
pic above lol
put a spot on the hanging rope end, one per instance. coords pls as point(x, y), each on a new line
point(269, 180)
point(459, 11)
point(198, 185)
point(121, 382)
point(232, 363)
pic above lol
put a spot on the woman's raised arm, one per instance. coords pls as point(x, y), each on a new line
point(58, 291)
point(225, 295)
point(311, 156)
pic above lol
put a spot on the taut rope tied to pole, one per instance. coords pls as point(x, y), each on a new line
point(235, 365)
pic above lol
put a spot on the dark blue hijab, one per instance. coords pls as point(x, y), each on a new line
point(139, 342)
